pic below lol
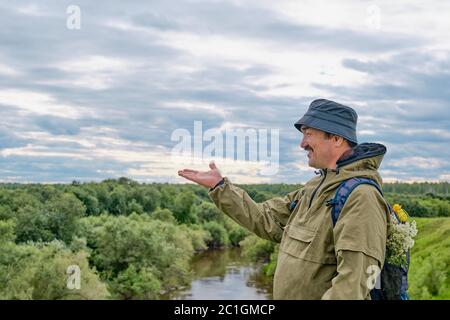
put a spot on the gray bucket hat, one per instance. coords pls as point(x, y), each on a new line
point(331, 117)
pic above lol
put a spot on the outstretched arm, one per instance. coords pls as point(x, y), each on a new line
point(266, 219)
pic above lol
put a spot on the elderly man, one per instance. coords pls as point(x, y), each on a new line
point(318, 258)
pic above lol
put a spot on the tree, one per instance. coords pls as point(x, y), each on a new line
point(207, 211)
point(6, 212)
point(7, 231)
point(182, 207)
point(219, 236)
point(135, 207)
point(118, 205)
point(164, 215)
point(102, 195)
point(142, 242)
point(236, 234)
point(64, 213)
point(32, 224)
point(88, 197)
point(256, 248)
point(136, 284)
point(39, 271)
point(50, 276)
point(148, 197)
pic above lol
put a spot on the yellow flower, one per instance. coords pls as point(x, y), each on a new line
point(397, 207)
point(401, 213)
point(403, 216)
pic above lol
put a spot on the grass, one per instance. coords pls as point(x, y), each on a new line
point(429, 275)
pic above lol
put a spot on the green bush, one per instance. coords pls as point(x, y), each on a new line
point(183, 203)
point(142, 242)
point(39, 272)
point(219, 236)
point(207, 211)
point(32, 224)
point(271, 266)
point(56, 219)
point(164, 215)
point(199, 237)
point(237, 234)
point(136, 284)
point(64, 213)
point(256, 248)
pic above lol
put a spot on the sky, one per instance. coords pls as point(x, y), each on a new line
point(99, 95)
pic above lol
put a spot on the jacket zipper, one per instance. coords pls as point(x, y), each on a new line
point(315, 191)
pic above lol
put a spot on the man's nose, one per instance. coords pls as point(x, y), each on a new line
point(303, 143)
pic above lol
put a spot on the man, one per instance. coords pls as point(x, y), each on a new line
point(316, 259)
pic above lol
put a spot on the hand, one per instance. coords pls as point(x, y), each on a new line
point(207, 179)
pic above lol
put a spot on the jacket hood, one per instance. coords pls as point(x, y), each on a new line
point(372, 153)
point(362, 161)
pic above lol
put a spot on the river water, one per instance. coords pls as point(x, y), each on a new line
point(224, 274)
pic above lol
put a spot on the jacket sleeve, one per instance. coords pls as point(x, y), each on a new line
point(266, 219)
point(352, 281)
point(360, 241)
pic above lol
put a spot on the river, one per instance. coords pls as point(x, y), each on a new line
point(224, 274)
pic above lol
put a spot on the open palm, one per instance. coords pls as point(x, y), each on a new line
point(204, 178)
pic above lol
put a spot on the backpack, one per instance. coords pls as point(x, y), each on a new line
point(392, 283)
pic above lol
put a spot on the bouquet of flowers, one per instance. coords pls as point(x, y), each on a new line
point(400, 236)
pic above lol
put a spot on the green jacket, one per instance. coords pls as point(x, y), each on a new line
point(315, 260)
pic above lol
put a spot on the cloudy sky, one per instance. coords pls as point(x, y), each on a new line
point(102, 101)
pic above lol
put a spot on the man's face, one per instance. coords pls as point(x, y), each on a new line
point(319, 148)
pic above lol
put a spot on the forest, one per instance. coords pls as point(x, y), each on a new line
point(134, 241)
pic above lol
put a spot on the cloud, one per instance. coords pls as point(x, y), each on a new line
point(231, 20)
point(57, 125)
point(37, 103)
point(104, 100)
point(8, 139)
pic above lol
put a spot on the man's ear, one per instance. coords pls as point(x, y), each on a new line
point(339, 141)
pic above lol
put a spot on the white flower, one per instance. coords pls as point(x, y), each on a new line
point(400, 241)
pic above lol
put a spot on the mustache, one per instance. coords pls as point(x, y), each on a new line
point(308, 149)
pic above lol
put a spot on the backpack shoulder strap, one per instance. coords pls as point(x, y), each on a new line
point(343, 192)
